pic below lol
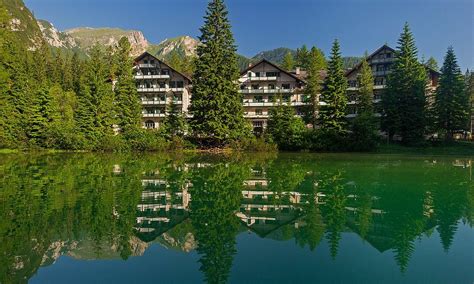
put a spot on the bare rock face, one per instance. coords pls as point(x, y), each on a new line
point(54, 37)
point(138, 41)
point(186, 44)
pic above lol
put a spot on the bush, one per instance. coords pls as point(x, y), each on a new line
point(145, 140)
point(253, 144)
point(112, 143)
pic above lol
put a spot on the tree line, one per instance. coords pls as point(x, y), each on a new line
point(55, 100)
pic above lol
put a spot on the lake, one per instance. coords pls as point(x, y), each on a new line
point(250, 218)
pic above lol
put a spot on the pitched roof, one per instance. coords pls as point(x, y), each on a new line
point(369, 57)
point(146, 53)
point(274, 65)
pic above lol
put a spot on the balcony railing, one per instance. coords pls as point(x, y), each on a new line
point(153, 102)
point(273, 78)
point(272, 104)
point(382, 60)
point(161, 76)
point(266, 91)
point(151, 90)
point(177, 90)
point(154, 115)
point(147, 65)
point(381, 72)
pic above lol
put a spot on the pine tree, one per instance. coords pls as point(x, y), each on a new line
point(432, 64)
point(314, 85)
point(95, 113)
point(364, 135)
point(288, 62)
point(286, 129)
point(452, 102)
point(216, 104)
point(334, 93)
point(302, 57)
point(41, 113)
point(366, 89)
point(128, 108)
point(404, 100)
point(174, 124)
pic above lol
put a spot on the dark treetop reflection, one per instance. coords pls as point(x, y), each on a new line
point(107, 207)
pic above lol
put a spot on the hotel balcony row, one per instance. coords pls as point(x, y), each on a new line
point(159, 90)
point(160, 102)
point(154, 76)
point(266, 91)
point(376, 87)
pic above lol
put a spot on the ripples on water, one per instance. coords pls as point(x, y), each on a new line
point(255, 218)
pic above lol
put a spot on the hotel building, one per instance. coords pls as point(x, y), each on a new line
point(158, 84)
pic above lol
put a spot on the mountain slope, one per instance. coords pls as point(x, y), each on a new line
point(54, 37)
point(184, 45)
point(87, 37)
point(275, 55)
point(23, 23)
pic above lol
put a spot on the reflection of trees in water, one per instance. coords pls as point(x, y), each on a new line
point(61, 200)
point(215, 199)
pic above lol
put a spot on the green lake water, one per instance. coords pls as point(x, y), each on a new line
point(255, 218)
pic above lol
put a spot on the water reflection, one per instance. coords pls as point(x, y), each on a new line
point(109, 207)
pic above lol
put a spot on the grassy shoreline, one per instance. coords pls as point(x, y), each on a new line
point(456, 148)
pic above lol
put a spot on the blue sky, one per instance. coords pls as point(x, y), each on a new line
point(258, 25)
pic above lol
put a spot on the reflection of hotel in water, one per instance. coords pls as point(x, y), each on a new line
point(165, 204)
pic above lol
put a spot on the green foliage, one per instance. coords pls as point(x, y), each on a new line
point(314, 84)
point(404, 101)
point(95, 113)
point(364, 130)
point(128, 107)
point(432, 64)
point(216, 104)
point(334, 93)
point(288, 62)
point(285, 128)
point(174, 124)
point(302, 57)
point(451, 99)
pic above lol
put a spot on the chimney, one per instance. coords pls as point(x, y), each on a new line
point(298, 71)
point(250, 64)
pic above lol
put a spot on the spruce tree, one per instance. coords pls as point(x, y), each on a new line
point(41, 113)
point(216, 104)
point(285, 128)
point(288, 62)
point(95, 113)
point(364, 135)
point(302, 57)
point(432, 63)
point(314, 85)
point(404, 100)
point(174, 124)
point(128, 107)
point(452, 101)
point(333, 114)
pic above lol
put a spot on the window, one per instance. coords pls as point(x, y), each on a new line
point(285, 86)
point(149, 124)
point(152, 61)
point(258, 112)
point(352, 98)
point(351, 110)
point(165, 72)
point(258, 124)
point(145, 61)
point(258, 99)
point(352, 83)
point(388, 55)
point(286, 98)
point(377, 96)
point(273, 74)
point(242, 87)
point(257, 74)
point(271, 87)
point(249, 74)
point(255, 87)
point(379, 81)
point(162, 85)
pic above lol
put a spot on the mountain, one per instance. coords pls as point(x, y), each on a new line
point(86, 37)
point(23, 23)
point(54, 37)
point(184, 45)
point(275, 55)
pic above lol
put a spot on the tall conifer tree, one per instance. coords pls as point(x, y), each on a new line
point(216, 104)
point(288, 62)
point(452, 101)
point(404, 102)
point(128, 106)
point(95, 100)
point(334, 93)
point(314, 84)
